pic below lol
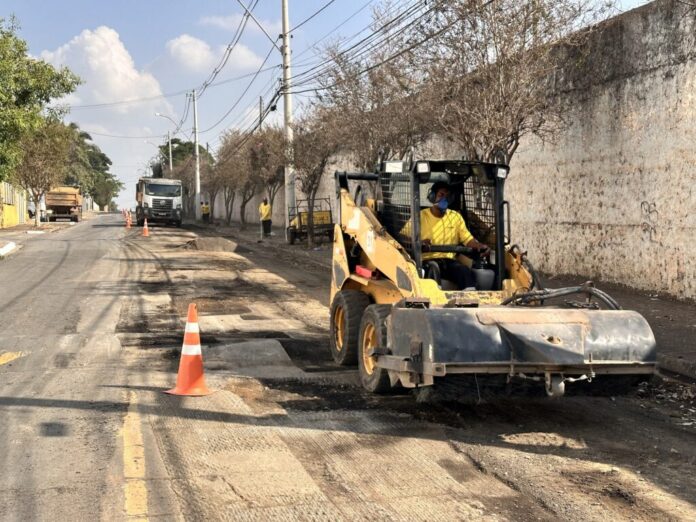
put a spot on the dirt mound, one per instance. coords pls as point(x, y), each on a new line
point(212, 244)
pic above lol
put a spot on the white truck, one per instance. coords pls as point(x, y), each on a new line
point(158, 201)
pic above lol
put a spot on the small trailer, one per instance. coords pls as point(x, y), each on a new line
point(299, 220)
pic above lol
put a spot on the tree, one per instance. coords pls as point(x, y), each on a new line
point(381, 113)
point(106, 189)
point(184, 168)
point(28, 85)
point(45, 153)
point(267, 150)
point(491, 69)
point(314, 145)
point(87, 163)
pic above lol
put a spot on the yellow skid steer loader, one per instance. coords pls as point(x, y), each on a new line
point(394, 313)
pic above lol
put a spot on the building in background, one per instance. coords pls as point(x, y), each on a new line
point(14, 205)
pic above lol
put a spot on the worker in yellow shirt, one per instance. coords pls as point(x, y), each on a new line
point(205, 212)
point(265, 212)
point(441, 226)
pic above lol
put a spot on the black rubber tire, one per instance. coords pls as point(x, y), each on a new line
point(140, 222)
point(375, 315)
point(353, 304)
point(177, 224)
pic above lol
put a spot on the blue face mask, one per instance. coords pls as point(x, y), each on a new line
point(442, 204)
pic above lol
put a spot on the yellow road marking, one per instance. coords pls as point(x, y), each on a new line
point(135, 490)
point(10, 356)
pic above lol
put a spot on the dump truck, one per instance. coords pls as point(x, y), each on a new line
point(299, 220)
point(396, 316)
point(64, 203)
point(158, 201)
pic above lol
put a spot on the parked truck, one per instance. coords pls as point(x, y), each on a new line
point(158, 201)
point(64, 203)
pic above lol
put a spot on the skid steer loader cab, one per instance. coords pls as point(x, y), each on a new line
point(405, 325)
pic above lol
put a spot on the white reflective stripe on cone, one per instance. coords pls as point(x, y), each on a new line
point(188, 349)
point(192, 328)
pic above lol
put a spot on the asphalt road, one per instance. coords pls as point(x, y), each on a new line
point(59, 305)
point(92, 325)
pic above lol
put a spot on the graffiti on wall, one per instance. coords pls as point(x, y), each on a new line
point(649, 220)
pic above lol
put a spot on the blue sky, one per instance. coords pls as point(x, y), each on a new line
point(129, 49)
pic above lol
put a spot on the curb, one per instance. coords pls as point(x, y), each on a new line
point(9, 247)
point(677, 365)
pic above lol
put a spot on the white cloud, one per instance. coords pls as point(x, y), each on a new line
point(195, 55)
point(231, 23)
point(109, 74)
point(106, 68)
point(191, 53)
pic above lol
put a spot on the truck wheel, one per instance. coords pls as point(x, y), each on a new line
point(140, 222)
point(178, 224)
point(373, 334)
point(291, 235)
point(347, 308)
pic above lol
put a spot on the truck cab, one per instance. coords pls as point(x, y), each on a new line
point(158, 201)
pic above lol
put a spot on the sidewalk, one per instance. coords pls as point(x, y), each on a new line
point(673, 322)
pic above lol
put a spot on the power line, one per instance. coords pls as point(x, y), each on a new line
point(380, 32)
point(333, 31)
point(327, 4)
point(130, 101)
point(390, 58)
point(239, 99)
point(228, 50)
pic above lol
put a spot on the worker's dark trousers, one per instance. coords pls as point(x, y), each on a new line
point(266, 227)
point(456, 272)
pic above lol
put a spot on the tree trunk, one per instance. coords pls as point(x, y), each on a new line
point(230, 196)
point(310, 218)
point(213, 196)
point(37, 209)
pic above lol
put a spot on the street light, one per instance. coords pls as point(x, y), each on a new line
point(169, 139)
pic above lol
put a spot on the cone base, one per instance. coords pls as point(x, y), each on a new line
point(195, 392)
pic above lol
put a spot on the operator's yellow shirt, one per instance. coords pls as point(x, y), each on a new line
point(205, 209)
point(449, 229)
point(265, 211)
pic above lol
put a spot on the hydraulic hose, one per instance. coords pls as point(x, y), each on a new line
point(527, 298)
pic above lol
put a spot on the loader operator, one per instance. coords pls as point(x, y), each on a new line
point(440, 226)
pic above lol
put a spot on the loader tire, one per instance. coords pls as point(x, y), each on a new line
point(347, 309)
point(373, 334)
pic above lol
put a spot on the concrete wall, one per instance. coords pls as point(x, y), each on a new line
point(615, 197)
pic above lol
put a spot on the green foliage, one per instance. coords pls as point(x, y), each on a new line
point(105, 189)
point(28, 85)
point(87, 164)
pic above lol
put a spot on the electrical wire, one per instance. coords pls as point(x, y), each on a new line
point(239, 99)
point(327, 4)
point(131, 101)
point(228, 50)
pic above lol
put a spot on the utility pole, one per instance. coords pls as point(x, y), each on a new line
point(197, 192)
point(287, 103)
point(171, 163)
point(260, 111)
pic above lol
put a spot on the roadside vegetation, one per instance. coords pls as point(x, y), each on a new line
point(38, 150)
point(479, 74)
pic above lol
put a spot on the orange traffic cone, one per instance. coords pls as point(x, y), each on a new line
point(146, 231)
point(128, 220)
point(190, 379)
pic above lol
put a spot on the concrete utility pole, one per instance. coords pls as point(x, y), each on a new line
point(287, 102)
point(197, 193)
point(260, 111)
point(171, 163)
